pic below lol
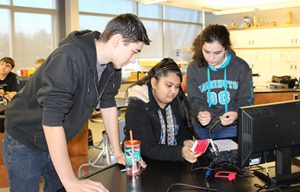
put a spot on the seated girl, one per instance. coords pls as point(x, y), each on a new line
point(159, 115)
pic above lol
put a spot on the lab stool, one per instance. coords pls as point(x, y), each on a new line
point(105, 157)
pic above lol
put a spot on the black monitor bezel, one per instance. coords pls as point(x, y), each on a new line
point(249, 145)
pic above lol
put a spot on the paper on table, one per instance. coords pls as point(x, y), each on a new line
point(226, 145)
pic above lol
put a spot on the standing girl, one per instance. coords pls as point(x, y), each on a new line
point(218, 83)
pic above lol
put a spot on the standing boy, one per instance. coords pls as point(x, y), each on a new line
point(84, 71)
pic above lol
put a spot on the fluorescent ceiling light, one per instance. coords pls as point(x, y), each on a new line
point(153, 1)
point(258, 8)
point(233, 11)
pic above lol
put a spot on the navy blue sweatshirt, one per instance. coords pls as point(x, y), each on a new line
point(230, 87)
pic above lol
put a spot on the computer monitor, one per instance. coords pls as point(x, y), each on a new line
point(270, 129)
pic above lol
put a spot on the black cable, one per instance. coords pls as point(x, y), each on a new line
point(190, 186)
point(212, 127)
point(199, 168)
point(266, 188)
point(277, 188)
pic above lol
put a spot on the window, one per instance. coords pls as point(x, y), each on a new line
point(180, 14)
point(5, 43)
point(94, 23)
point(179, 41)
point(171, 29)
point(153, 11)
point(28, 30)
point(154, 30)
point(46, 4)
point(33, 37)
point(106, 7)
point(4, 2)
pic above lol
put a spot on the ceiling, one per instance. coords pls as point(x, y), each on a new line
point(230, 6)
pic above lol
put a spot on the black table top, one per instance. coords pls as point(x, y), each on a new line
point(158, 176)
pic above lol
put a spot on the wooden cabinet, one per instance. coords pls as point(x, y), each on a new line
point(271, 97)
point(254, 38)
point(260, 61)
point(241, 39)
point(285, 62)
point(266, 38)
point(269, 51)
point(3, 173)
point(293, 36)
point(78, 149)
point(269, 62)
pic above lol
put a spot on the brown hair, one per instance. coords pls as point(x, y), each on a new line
point(39, 62)
point(210, 34)
point(129, 26)
point(8, 60)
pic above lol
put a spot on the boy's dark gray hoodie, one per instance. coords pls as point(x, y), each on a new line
point(62, 92)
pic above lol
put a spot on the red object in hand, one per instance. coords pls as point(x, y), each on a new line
point(200, 146)
point(226, 174)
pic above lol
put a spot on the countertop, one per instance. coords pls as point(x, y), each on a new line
point(269, 90)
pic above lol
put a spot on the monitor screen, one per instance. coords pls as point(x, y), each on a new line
point(272, 128)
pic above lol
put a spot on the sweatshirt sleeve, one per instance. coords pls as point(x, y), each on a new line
point(245, 90)
point(195, 97)
point(59, 84)
point(142, 129)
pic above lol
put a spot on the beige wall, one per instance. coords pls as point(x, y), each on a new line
point(279, 15)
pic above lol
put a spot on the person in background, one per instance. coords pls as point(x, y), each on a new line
point(218, 83)
point(8, 79)
point(159, 115)
point(82, 73)
point(38, 63)
point(8, 84)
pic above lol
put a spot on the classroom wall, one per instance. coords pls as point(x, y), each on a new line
point(267, 16)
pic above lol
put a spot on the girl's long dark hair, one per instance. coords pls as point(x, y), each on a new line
point(161, 69)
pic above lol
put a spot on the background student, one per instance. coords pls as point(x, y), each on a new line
point(218, 83)
point(84, 71)
point(38, 63)
point(8, 79)
point(8, 84)
point(159, 115)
